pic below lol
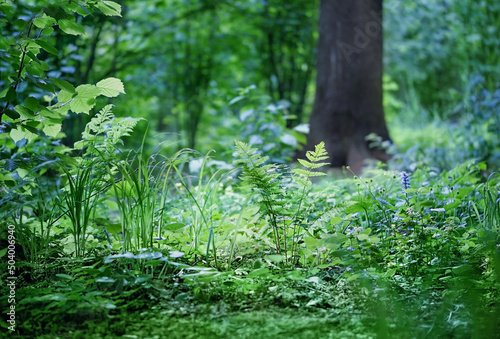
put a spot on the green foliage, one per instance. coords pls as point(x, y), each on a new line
point(474, 134)
point(80, 201)
point(433, 50)
point(315, 157)
point(104, 133)
point(266, 125)
point(282, 199)
point(29, 90)
point(144, 242)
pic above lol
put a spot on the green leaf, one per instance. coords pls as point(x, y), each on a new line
point(3, 92)
point(32, 104)
point(261, 272)
point(85, 99)
point(48, 31)
point(88, 91)
point(364, 235)
point(7, 8)
point(114, 228)
point(21, 133)
point(68, 160)
point(110, 8)
point(64, 96)
point(47, 47)
point(56, 12)
point(69, 26)
point(276, 258)
point(12, 114)
point(3, 252)
point(11, 94)
point(52, 130)
point(82, 104)
point(44, 21)
point(63, 84)
point(174, 226)
point(4, 43)
point(111, 87)
point(25, 113)
point(44, 66)
point(64, 277)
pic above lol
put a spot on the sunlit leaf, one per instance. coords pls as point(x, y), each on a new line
point(52, 130)
point(110, 87)
point(69, 26)
point(110, 8)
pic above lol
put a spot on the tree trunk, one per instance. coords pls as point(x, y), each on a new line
point(348, 101)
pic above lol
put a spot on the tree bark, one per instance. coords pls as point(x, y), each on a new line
point(348, 103)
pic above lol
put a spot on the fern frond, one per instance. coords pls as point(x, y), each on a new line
point(104, 131)
point(99, 122)
point(318, 154)
point(121, 129)
point(311, 165)
point(315, 157)
point(307, 174)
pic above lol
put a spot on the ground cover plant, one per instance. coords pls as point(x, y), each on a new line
point(110, 237)
point(389, 253)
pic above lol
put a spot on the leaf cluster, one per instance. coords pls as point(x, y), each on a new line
point(27, 49)
point(105, 132)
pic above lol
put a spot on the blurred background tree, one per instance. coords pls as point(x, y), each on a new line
point(348, 103)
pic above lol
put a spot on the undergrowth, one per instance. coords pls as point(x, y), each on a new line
point(237, 245)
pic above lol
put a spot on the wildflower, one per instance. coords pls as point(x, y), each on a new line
point(405, 180)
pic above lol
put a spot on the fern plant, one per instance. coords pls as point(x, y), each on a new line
point(265, 180)
point(302, 177)
point(104, 133)
point(282, 193)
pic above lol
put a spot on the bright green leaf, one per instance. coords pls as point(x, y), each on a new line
point(3, 92)
point(20, 133)
point(64, 96)
point(111, 87)
point(88, 91)
point(82, 104)
point(69, 26)
point(174, 226)
point(363, 236)
point(110, 8)
point(52, 130)
point(276, 258)
point(44, 21)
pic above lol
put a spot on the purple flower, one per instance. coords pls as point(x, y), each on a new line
point(405, 179)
